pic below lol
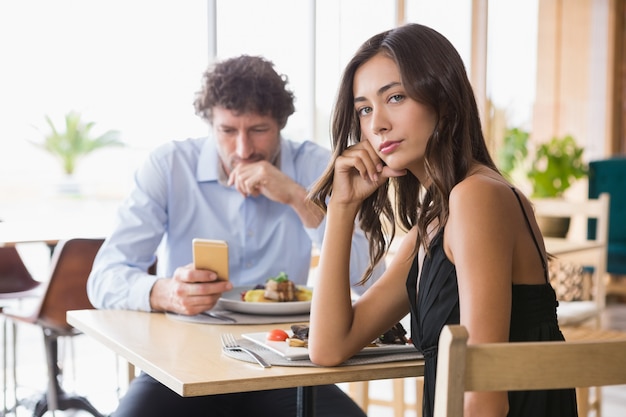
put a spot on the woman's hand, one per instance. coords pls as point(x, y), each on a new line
point(359, 171)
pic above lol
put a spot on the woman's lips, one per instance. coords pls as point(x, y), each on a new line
point(388, 147)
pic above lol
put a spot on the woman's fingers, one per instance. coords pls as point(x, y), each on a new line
point(364, 159)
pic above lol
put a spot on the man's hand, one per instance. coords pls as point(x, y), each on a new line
point(189, 292)
point(261, 177)
point(256, 178)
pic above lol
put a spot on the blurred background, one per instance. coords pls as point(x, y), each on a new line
point(134, 67)
point(548, 68)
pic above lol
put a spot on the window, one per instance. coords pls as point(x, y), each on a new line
point(135, 66)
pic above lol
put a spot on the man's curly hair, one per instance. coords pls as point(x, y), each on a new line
point(245, 84)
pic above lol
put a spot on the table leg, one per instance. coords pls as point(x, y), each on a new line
point(4, 367)
point(305, 405)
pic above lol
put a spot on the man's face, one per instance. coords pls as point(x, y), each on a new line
point(244, 138)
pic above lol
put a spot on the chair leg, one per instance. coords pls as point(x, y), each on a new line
point(582, 396)
point(398, 403)
point(419, 395)
point(595, 403)
point(56, 398)
point(14, 362)
point(131, 372)
point(359, 391)
point(5, 364)
point(4, 367)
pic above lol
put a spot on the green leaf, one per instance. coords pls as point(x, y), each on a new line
point(282, 277)
point(76, 141)
point(558, 163)
point(514, 150)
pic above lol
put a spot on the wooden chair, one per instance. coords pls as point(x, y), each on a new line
point(521, 366)
point(16, 283)
point(15, 279)
point(587, 309)
point(581, 212)
point(65, 290)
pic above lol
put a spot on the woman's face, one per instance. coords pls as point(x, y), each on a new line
point(397, 126)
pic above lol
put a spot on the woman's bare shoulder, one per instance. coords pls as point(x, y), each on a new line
point(486, 202)
point(481, 188)
point(482, 209)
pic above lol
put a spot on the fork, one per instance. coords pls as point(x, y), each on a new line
point(229, 343)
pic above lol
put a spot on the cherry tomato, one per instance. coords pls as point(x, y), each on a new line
point(277, 335)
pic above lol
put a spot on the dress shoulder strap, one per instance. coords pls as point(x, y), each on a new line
point(543, 260)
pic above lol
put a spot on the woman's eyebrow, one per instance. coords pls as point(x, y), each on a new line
point(380, 91)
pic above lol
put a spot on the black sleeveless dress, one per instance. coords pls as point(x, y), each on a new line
point(533, 318)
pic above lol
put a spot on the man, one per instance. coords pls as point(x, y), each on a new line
point(245, 184)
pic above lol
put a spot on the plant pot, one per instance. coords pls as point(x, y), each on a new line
point(553, 226)
point(68, 186)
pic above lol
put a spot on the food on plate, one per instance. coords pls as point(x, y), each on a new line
point(294, 342)
point(304, 294)
point(277, 335)
point(300, 337)
point(277, 290)
point(394, 336)
point(255, 296)
point(280, 288)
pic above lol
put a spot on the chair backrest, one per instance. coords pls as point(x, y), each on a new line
point(521, 366)
point(14, 276)
point(596, 209)
point(609, 176)
point(66, 290)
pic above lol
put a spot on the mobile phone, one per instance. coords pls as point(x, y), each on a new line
point(211, 255)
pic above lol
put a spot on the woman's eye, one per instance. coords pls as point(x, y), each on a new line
point(363, 111)
point(396, 98)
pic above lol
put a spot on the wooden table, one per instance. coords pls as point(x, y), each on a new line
point(159, 345)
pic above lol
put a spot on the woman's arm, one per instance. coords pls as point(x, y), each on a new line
point(479, 239)
point(337, 329)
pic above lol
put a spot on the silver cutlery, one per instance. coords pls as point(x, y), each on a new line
point(229, 343)
point(218, 316)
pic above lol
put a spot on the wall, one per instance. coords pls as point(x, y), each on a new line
point(574, 89)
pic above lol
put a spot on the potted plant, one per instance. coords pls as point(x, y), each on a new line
point(550, 168)
point(75, 141)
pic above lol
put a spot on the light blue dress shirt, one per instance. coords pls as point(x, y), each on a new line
point(177, 197)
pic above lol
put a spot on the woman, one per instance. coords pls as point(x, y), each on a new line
point(406, 116)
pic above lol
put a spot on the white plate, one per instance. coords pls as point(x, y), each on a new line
point(299, 353)
point(231, 300)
